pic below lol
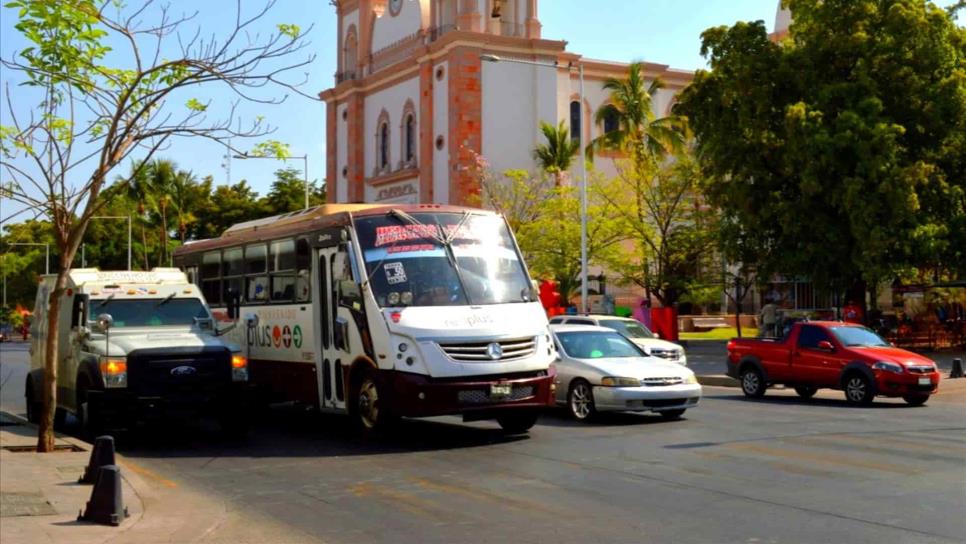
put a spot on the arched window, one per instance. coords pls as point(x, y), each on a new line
point(610, 121)
point(384, 146)
point(410, 131)
point(350, 54)
point(575, 121)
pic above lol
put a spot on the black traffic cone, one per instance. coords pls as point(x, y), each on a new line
point(101, 455)
point(106, 506)
point(957, 371)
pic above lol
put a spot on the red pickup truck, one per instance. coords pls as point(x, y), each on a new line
point(836, 355)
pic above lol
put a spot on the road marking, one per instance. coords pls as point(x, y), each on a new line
point(149, 474)
point(400, 499)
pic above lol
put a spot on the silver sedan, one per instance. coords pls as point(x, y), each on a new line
point(599, 369)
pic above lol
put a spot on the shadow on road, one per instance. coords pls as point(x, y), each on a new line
point(787, 400)
point(282, 432)
point(560, 418)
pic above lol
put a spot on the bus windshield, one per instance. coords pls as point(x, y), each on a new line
point(148, 312)
point(441, 259)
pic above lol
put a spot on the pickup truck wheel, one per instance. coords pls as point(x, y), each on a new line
point(518, 423)
point(752, 383)
point(806, 391)
point(915, 400)
point(858, 390)
point(580, 400)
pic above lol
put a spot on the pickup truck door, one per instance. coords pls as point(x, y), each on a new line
point(811, 364)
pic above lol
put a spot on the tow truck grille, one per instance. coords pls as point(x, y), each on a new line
point(482, 352)
point(152, 372)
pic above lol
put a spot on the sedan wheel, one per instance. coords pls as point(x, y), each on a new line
point(580, 400)
point(858, 390)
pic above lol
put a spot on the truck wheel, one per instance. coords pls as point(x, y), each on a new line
point(915, 399)
point(34, 407)
point(518, 422)
point(88, 415)
point(752, 383)
point(580, 400)
point(369, 407)
point(806, 391)
point(859, 390)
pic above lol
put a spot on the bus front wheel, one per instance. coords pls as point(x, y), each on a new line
point(519, 422)
point(370, 410)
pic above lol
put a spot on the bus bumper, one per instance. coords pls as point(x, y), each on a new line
point(476, 397)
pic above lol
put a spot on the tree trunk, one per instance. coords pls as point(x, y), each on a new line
point(45, 434)
point(144, 247)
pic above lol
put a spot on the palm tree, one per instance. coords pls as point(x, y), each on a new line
point(638, 130)
point(138, 191)
point(161, 176)
point(558, 153)
point(181, 199)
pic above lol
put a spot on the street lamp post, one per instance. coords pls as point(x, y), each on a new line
point(47, 250)
point(583, 170)
point(305, 170)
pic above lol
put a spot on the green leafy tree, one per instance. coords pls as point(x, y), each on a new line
point(104, 93)
point(839, 153)
point(557, 154)
point(287, 193)
point(670, 229)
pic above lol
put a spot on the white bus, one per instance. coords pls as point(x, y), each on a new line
point(384, 311)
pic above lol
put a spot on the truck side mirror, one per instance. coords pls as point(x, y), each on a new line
point(825, 345)
point(104, 322)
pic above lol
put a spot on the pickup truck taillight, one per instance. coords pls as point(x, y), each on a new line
point(731, 344)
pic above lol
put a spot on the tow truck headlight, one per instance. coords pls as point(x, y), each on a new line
point(612, 381)
point(888, 367)
point(114, 372)
point(239, 367)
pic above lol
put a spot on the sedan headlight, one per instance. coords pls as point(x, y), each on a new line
point(239, 367)
point(691, 379)
point(114, 372)
point(888, 367)
point(611, 381)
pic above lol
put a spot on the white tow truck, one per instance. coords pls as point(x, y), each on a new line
point(136, 346)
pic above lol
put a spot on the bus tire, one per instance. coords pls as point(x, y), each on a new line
point(518, 422)
point(370, 409)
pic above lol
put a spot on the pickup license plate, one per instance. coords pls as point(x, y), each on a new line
point(925, 381)
point(500, 390)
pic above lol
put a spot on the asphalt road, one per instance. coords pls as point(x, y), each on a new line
point(733, 470)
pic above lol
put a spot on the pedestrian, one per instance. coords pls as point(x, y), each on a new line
point(852, 313)
point(767, 318)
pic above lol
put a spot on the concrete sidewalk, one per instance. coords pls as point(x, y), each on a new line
point(41, 500)
point(39, 494)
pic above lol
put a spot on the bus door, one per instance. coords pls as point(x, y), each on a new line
point(333, 327)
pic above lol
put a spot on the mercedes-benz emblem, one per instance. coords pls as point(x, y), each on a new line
point(494, 351)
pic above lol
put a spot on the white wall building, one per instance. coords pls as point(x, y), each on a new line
point(413, 105)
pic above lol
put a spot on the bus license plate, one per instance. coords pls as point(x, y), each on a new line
point(500, 390)
point(924, 381)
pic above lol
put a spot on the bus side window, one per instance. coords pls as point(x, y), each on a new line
point(303, 271)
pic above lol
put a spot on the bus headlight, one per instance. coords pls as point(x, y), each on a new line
point(239, 367)
point(114, 372)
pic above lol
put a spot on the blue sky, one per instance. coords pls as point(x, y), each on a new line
point(663, 31)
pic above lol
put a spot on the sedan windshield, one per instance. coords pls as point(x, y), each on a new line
point(858, 336)
point(148, 312)
point(630, 329)
point(441, 259)
point(597, 344)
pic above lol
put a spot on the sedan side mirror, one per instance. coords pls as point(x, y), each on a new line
point(825, 345)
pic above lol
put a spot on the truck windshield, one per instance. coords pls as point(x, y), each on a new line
point(630, 329)
point(148, 312)
point(858, 336)
point(594, 345)
point(441, 259)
